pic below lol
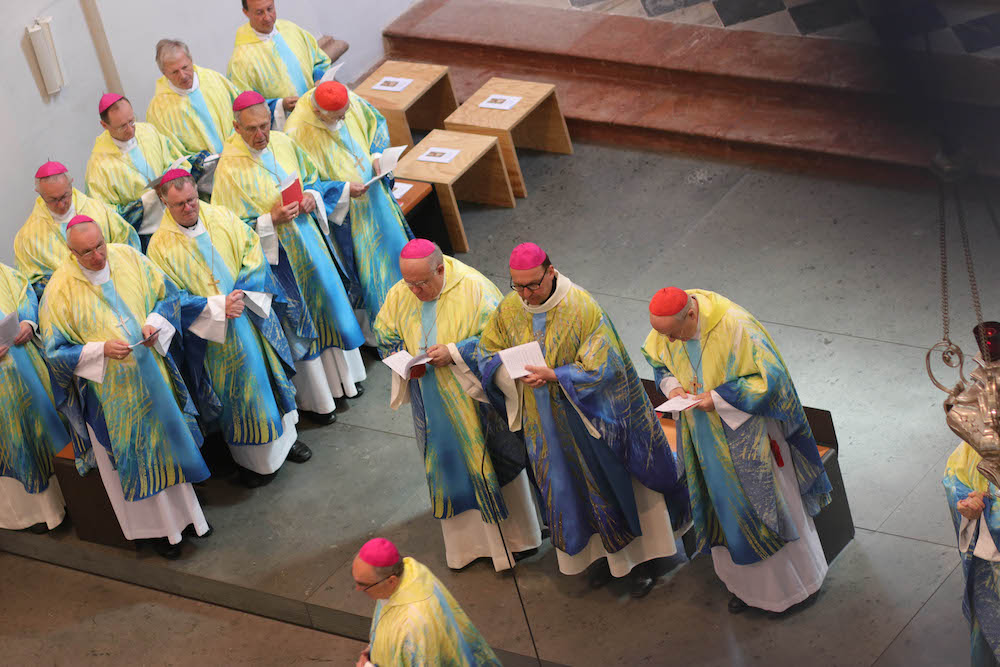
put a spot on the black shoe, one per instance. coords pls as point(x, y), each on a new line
point(361, 392)
point(600, 574)
point(737, 606)
point(38, 528)
point(165, 549)
point(191, 532)
point(253, 480)
point(317, 418)
point(299, 453)
point(641, 582)
point(521, 555)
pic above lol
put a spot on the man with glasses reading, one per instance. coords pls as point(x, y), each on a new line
point(601, 461)
point(40, 245)
point(239, 356)
point(416, 620)
point(441, 304)
point(126, 157)
point(108, 320)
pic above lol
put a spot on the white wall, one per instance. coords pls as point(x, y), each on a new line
point(64, 128)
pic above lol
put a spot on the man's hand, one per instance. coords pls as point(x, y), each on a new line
point(440, 356)
point(151, 333)
point(705, 402)
point(25, 334)
point(4, 349)
point(538, 376)
point(308, 204)
point(234, 304)
point(674, 393)
point(116, 349)
point(358, 189)
point(281, 214)
point(364, 658)
point(289, 102)
point(972, 507)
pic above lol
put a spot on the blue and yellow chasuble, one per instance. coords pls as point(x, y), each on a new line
point(981, 598)
point(141, 413)
point(249, 371)
point(200, 120)
point(40, 245)
point(735, 498)
point(421, 624)
point(246, 182)
point(30, 428)
point(287, 65)
point(452, 428)
point(375, 230)
point(584, 478)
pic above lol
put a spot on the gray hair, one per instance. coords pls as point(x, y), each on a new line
point(39, 181)
point(165, 47)
point(436, 258)
point(396, 569)
point(683, 312)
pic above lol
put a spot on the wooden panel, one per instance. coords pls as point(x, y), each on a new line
point(413, 196)
point(545, 129)
point(510, 160)
point(399, 129)
point(472, 147)
point(429, 112)
point(452, 218)
point(532, 93)
point(424, 77)
point(486, 181)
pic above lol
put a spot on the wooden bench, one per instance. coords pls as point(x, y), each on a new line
point(87, 503)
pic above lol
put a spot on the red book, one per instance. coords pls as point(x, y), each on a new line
point(291, 191)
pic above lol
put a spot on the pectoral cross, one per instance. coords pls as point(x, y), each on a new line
point(122, 324)
point(695, 387)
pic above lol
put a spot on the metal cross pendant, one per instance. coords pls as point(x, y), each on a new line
point(695, 387)
point(122, 324)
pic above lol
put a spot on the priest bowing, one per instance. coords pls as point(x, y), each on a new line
point(345, 137)
point(255, 166)
point(231, 327)
point(753, 471)
point(126, 157)
point(439, 305)
point(30, 428)
point(601, 461)
point(108, 320)
point(40, 245)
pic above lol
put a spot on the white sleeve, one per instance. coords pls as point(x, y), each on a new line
point(280, 116)
point(152, 212)
point(343, 206)
point(259, 303)
point(324, 224)
point(668, 384)
point(167, 332)
point(211, 322)
point(466, 378)
point(734, 417)
point(92, 363)
point(268, 238)
point(986, 548)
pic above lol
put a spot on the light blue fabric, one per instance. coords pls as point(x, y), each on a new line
point(291, 64)
point(139, 161)
point(201, 108)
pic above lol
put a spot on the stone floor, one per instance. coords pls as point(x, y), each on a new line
point(845, 276)
point(55, 616)
point(953, 26)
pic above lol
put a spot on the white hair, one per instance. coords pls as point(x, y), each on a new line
point(436, 258)
point(683, 312)
point(39, 181)
point(165, 47)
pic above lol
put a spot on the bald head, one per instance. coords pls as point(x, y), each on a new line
point(86, 242)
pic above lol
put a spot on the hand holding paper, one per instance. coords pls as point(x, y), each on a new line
point(150, 334)
point(402, 363)
point(679, 403)
point(515, 359)
point(9, 329)
point(388, 162)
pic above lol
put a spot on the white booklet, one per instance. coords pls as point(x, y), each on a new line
point(10, 326)
point(388, 162)
point(500, 102)
point(400, 189)
point(393, 84)
point(678, 403)
point(402, 362)
point(516, 358)
point(144, 340)
point(440, 155)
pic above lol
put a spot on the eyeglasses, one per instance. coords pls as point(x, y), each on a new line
point(119, 128)
point(417, 285)
point(361, 587)
point(530, 287)
point(190, 201)
point(89, 253)
point(52, 201)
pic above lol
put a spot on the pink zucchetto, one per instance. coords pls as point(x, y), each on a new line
point(379, 552)
point(248, 99)
point(107, 100)
point(173, 175)
point(526, 256)
point(417, 249)
point(51, 169)
point(79, 220)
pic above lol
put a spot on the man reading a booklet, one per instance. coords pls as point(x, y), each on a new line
point(600, 458)
point(753, 472)
point(440, 306)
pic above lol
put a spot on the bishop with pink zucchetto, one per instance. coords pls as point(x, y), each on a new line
point(600, 458)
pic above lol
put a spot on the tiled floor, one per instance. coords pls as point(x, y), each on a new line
point(952, 26)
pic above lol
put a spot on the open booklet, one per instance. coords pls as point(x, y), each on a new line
point(516, 358)
point(403, 362)
point(388, 162)
point(678, 403)
point(144, 340)
point(9, 328)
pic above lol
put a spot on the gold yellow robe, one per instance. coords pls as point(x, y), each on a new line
point(175, 115)
point(114, 179)
point(257, 65)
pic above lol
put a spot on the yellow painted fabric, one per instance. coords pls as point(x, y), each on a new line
point(463, 309)
point(112, 178)
point(256, 65)
point(40, 245)
point(174, 116)
point(961, 466)
point(421, 624)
